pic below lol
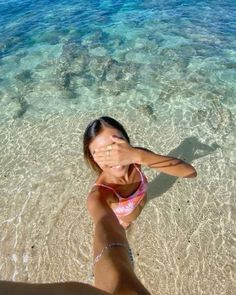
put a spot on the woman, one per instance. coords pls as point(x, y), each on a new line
point(117, 198)
point(120, 180)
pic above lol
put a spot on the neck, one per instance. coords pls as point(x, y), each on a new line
point(121, 179)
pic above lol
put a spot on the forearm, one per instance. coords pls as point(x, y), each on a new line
point(165, 164)
point(68, 288)
point(113, 271)
point(108, 230)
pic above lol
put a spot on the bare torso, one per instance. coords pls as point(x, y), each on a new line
point(124, 190)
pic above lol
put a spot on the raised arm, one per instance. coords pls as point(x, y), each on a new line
point(122, 153)
point(165, 164)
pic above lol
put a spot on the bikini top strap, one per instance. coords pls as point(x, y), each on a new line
point(112, 189)
point(106, 186)
point(140, 172)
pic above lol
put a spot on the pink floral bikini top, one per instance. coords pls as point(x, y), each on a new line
point(128, 204)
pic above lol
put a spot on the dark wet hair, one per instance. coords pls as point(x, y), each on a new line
point(92, 130)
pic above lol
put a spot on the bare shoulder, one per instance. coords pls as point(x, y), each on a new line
point(101, 193)
point(97, 195)
point(138, 166)
point(98, 203)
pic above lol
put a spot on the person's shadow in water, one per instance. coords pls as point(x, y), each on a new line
point(190, 149)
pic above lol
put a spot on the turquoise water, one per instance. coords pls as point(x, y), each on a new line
point(60, 56)
point(167, 71)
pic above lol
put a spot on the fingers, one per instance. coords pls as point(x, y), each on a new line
point(106, 162)
point(113, 154)
point(105, 157)
point(106, 151)
point(117, 139)
point(103, 152)
point(105, 148)
point(117, 143)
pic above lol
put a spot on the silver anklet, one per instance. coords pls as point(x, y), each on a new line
point(114, 245)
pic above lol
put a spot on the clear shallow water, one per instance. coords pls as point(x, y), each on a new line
point(167, 71)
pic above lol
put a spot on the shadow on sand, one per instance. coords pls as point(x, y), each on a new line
point(189, 150)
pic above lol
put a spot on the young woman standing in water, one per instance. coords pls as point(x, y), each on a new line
point(120, 180)
point(118, 197)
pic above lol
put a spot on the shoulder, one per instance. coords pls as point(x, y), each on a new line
point(98, 195)
point(138, 166)
point(98, 203)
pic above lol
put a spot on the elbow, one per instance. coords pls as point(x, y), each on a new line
point(192, 173)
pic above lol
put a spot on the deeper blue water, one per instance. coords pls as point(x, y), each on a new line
point(119, 46)
point(23, 22)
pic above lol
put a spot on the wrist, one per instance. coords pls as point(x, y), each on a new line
point(137, 156)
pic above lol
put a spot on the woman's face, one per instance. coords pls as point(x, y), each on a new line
point(103, 139)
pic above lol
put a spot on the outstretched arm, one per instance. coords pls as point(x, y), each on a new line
point(67, 288)
point(113, 272)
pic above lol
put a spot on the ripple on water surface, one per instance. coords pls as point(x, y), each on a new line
point(167, 71)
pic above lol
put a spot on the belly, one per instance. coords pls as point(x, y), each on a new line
point(134, 214)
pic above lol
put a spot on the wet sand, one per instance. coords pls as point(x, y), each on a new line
point(184, 240)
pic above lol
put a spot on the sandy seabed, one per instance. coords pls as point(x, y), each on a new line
point(184, 240)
